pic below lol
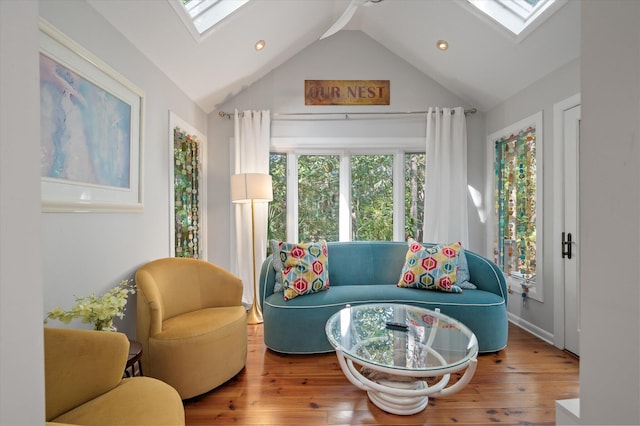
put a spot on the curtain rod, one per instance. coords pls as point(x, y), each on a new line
point(346, 115)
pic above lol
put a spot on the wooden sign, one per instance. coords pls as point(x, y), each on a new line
point(346, 92)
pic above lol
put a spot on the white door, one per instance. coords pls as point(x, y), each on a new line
point(570, 238)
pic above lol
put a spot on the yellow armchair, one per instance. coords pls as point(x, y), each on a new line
point(191, 323)
point(84, 384)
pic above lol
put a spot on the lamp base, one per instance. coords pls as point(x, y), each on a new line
point(254, 316)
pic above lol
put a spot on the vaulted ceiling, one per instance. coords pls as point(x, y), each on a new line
point(483, 65)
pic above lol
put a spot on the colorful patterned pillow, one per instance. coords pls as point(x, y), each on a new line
point(431, 268)
point(305, 268)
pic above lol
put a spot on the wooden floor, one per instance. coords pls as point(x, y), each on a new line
point(518, 385)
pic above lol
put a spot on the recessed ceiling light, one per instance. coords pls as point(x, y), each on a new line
point(260, 44)
point(442, 45)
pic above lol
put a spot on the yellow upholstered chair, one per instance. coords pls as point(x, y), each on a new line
point(191, 324)
point(84, 385)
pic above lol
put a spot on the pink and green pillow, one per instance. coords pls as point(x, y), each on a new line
point(431, 268)
point(304, 268)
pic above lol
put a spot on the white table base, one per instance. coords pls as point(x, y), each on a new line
point(404, 397)
point(403, 405)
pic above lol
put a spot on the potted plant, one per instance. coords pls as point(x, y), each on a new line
point(99, 311)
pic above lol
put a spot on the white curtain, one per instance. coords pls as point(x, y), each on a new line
point(252, 132)
point(445, 200)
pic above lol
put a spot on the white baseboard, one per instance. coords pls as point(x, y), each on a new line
point(531, 328)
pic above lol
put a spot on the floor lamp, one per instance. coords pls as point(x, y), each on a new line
point(252, 188)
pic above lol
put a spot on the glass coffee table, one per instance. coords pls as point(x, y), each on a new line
point(401, 354)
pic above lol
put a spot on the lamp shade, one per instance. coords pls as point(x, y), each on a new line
point(251, 186)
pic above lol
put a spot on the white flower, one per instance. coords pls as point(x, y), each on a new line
point(98, 311)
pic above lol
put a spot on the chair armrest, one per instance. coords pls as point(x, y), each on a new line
point(149, 307)
point(267, 279)
point(486, 275)
point(71, 357)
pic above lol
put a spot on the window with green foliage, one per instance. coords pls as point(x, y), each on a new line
point(318, 197)
point(187, 165)
point(414, 173)
point(347, 196)
point(515, 207)
point(372, 198)
point(277, 225)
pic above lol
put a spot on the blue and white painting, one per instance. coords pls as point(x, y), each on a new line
point(85, 131)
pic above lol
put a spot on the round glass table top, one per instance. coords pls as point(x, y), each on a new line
point(401, 337)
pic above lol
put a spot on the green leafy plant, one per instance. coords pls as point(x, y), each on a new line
point(99, 311)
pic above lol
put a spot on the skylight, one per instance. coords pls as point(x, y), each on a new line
point(518, 15)
point(202, 15)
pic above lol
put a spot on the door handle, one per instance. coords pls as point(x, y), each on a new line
point(566, 245)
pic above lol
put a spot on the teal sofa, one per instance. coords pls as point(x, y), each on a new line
point(367, 272)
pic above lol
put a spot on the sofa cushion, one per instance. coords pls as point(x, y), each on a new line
point(431, 268)
point(213, 339)
point(306, 268)
point(305, 318)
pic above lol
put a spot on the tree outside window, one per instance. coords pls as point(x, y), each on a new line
point(277, 225)
point(414, 173)
point(318, 197)
point(372, 198)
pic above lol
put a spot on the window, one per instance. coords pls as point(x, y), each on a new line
point(414, 173)
point(201, 15)
point(277, 224)
point(372, 198)
point(517, 215)
point(187, 190)
point(318, 197)
point(186, 170)
point(347, 196)
point(517, 15)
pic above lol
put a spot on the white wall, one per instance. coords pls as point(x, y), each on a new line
point(345, 55)
point(47, 258)
point(91, 252)
point(21, 347)
point(610, 213)
point(540, 96)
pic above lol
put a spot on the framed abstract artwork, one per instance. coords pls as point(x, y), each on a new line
point(91, 122)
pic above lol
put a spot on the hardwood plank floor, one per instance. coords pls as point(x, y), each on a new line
point(518, 385)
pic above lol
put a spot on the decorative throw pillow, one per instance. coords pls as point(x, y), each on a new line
point(277, 265)
point(431, 268)
point(467, 285)
point(305, 268)
point(462, 280)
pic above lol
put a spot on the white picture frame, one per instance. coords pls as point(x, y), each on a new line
point(91, 131)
